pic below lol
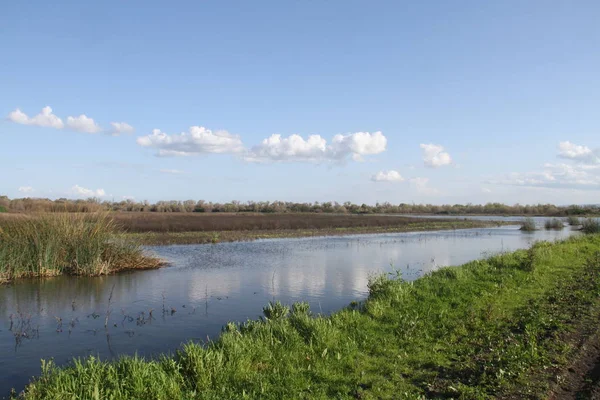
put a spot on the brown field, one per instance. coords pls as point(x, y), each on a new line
point(187, 228)
point(195, 222)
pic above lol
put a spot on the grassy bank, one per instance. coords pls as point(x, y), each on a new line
point(76, 244)
point(501, 327)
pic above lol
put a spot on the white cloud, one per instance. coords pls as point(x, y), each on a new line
point(83, 192)
point(295, 148)
point(45, 118)
point(579, 153)
point(486, 190)
point(26, 189)
point(387, 176)
point(422, 186)
point(434, 156)
point(83, 124)
point(119, 128)
point(131, 198)
point(583, 173)
point(557, 176)
point(171, 171)
point(198, 140)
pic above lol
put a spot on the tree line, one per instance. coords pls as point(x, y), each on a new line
point(201, 206)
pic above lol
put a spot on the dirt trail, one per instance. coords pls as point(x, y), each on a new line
point(582, 379)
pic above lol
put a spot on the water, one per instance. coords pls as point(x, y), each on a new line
point(208, 285)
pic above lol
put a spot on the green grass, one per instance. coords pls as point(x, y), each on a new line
point(554, 223)
point(76, 244)
point(500, 327)
point(528, 225)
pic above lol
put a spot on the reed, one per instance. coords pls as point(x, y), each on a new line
point(75, 244)
point(554, 223)
point(573, 220)
point(591, 226)
point(528, 225)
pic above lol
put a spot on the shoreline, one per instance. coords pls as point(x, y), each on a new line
point(487, 328)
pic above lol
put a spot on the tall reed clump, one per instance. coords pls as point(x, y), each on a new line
point(75, 244)
point(591, 226)
point(573, 220)
point(528, 225)
point(554, 223)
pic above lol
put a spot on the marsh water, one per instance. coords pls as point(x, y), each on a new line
point(206, 286)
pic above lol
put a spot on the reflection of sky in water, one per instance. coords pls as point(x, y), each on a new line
point(209, 285)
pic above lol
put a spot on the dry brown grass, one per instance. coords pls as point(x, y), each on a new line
point(197, 222)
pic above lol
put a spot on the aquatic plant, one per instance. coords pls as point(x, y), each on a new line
point(591, 226)
point(528, 225)
point(554, 223)
point(573, 220)
point(75, 244)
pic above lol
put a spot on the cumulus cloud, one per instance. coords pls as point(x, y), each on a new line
point(434, 156)
point(120, 128)
point(83, 192)
point(557, 176)
point(387, 176)
point(44, 119)
point(26, 189)
point(198, 140)
point(83, 124)
point(583, 173)
point(295, 148)
point(578, 153)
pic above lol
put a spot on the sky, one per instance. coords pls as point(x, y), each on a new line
point(363, 101)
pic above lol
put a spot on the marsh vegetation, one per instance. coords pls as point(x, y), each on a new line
point(554, 223)
point(74, 244)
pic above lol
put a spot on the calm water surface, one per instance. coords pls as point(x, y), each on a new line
point(208, 285)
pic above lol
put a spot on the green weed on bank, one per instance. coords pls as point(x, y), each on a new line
point(493, 327)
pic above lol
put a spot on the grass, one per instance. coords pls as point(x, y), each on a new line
point(591, 226)
point(504, 327)
point(573, 220)
point(75, 244)
point(554, 223)
point(528, 225)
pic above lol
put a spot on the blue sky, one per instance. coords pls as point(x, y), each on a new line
point(431, 102)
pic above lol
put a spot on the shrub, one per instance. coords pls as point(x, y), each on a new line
point(554, 223)
point(3, 209)
point(573, 220)
point(591, 226)
point(528, 225)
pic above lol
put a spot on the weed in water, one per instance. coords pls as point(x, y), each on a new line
point(528, 225)
point(554, 223)
point(591, 226)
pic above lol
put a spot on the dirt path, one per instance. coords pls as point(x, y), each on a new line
point(582, 379)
